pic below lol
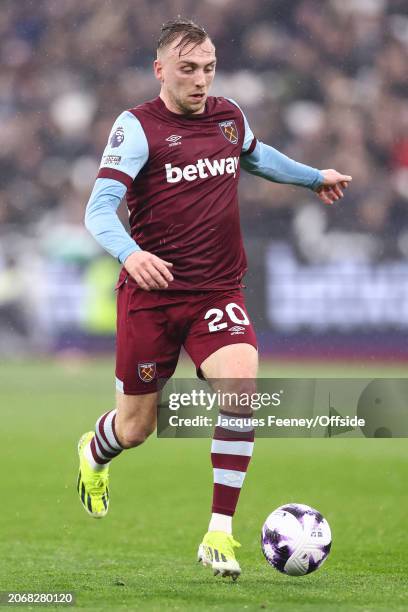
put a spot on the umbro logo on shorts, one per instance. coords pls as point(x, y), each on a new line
point(236, 329)
point(147, 371)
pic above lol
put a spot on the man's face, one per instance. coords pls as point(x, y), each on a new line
point(186, 79)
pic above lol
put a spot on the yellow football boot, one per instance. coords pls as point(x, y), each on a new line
point(217, 550)
point(92, 485)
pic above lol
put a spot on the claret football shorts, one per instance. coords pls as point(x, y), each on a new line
point(152, 326)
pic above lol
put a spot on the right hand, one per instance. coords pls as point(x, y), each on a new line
point(148, 270)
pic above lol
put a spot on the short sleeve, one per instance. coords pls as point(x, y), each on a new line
point(250, 141)
point(126, 152)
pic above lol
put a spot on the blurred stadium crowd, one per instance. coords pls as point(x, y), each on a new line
point(324, 82)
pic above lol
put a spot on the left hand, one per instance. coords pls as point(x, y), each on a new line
point(332, 188)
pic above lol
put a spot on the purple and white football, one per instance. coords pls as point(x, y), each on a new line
point(296, 539)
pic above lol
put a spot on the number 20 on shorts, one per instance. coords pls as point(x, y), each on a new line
point(235, 313)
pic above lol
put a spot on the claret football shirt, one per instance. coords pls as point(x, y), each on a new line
point(181, 174)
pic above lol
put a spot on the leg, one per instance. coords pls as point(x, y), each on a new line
point(127, 426)
point(136, 418)
point(133, 420)
point(146, 351)
point(233, 369)
point(225, 354)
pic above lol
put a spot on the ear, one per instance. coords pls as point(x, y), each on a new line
point(158, 70)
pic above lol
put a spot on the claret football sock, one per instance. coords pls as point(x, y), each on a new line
point(104, 445)
point(231, 452)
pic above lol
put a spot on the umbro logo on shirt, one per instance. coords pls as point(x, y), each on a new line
point(174, 140)
point(203, 168)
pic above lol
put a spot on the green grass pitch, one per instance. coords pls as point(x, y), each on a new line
point(143, 554)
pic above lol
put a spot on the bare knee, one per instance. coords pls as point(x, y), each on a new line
point(133, 435)
point(234, 361)
point(135, 418)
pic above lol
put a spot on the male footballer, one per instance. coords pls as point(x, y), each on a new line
point(177, 159)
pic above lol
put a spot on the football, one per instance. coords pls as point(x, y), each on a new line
point(296, 539)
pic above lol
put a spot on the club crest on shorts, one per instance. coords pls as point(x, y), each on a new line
point(146, 371)
point(229, 130)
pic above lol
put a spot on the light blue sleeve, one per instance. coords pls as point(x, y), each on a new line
point(272, 165)
point(127, 149)
point(102, 221)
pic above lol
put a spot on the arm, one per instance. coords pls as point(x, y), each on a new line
point(269, 163)
point(265, 161)
point(102, 221)
point(272, 165)
point(124, 156)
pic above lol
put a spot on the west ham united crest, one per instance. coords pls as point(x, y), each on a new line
point(229, 130)
point(147, 371)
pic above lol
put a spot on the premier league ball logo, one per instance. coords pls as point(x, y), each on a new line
point(117, 137)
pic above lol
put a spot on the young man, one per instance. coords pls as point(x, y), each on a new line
point(177, 158)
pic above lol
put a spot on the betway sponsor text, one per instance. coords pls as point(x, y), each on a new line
point(203, 168)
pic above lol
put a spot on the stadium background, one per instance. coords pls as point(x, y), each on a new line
point(324, 82)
